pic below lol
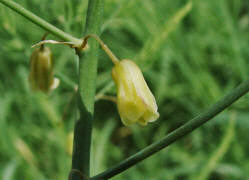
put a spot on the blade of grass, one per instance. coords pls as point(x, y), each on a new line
point(221, 150)
point(153, 44)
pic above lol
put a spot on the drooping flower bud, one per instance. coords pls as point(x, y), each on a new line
point(135, 101)
point(41, 70)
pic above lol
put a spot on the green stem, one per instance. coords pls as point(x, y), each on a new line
point(182, 131)
point(87, 87)
point(40, 22)
point(112, 56)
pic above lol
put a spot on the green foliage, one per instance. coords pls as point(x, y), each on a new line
point(204, 57)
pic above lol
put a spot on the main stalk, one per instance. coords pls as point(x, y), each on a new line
point(86, 93)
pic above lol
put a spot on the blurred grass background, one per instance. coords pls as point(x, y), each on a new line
point(202, 59)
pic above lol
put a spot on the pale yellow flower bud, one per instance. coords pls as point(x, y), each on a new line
point(41, 70)
point(136, 103)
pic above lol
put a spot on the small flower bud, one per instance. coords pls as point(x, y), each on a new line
point(41, 70)
point(135, 101)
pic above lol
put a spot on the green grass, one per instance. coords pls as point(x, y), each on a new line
point(203, 58)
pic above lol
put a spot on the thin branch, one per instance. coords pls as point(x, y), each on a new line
point(40, 22)
point(182, 131)
point(112, 56)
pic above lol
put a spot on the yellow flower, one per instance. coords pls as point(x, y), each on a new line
point(135, 101)
point(41, 70)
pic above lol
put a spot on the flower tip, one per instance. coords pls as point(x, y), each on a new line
point(55, 84)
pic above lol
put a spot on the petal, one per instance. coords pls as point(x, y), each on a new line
point(135, 101)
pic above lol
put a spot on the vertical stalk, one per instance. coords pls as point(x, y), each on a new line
point(86, 93)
